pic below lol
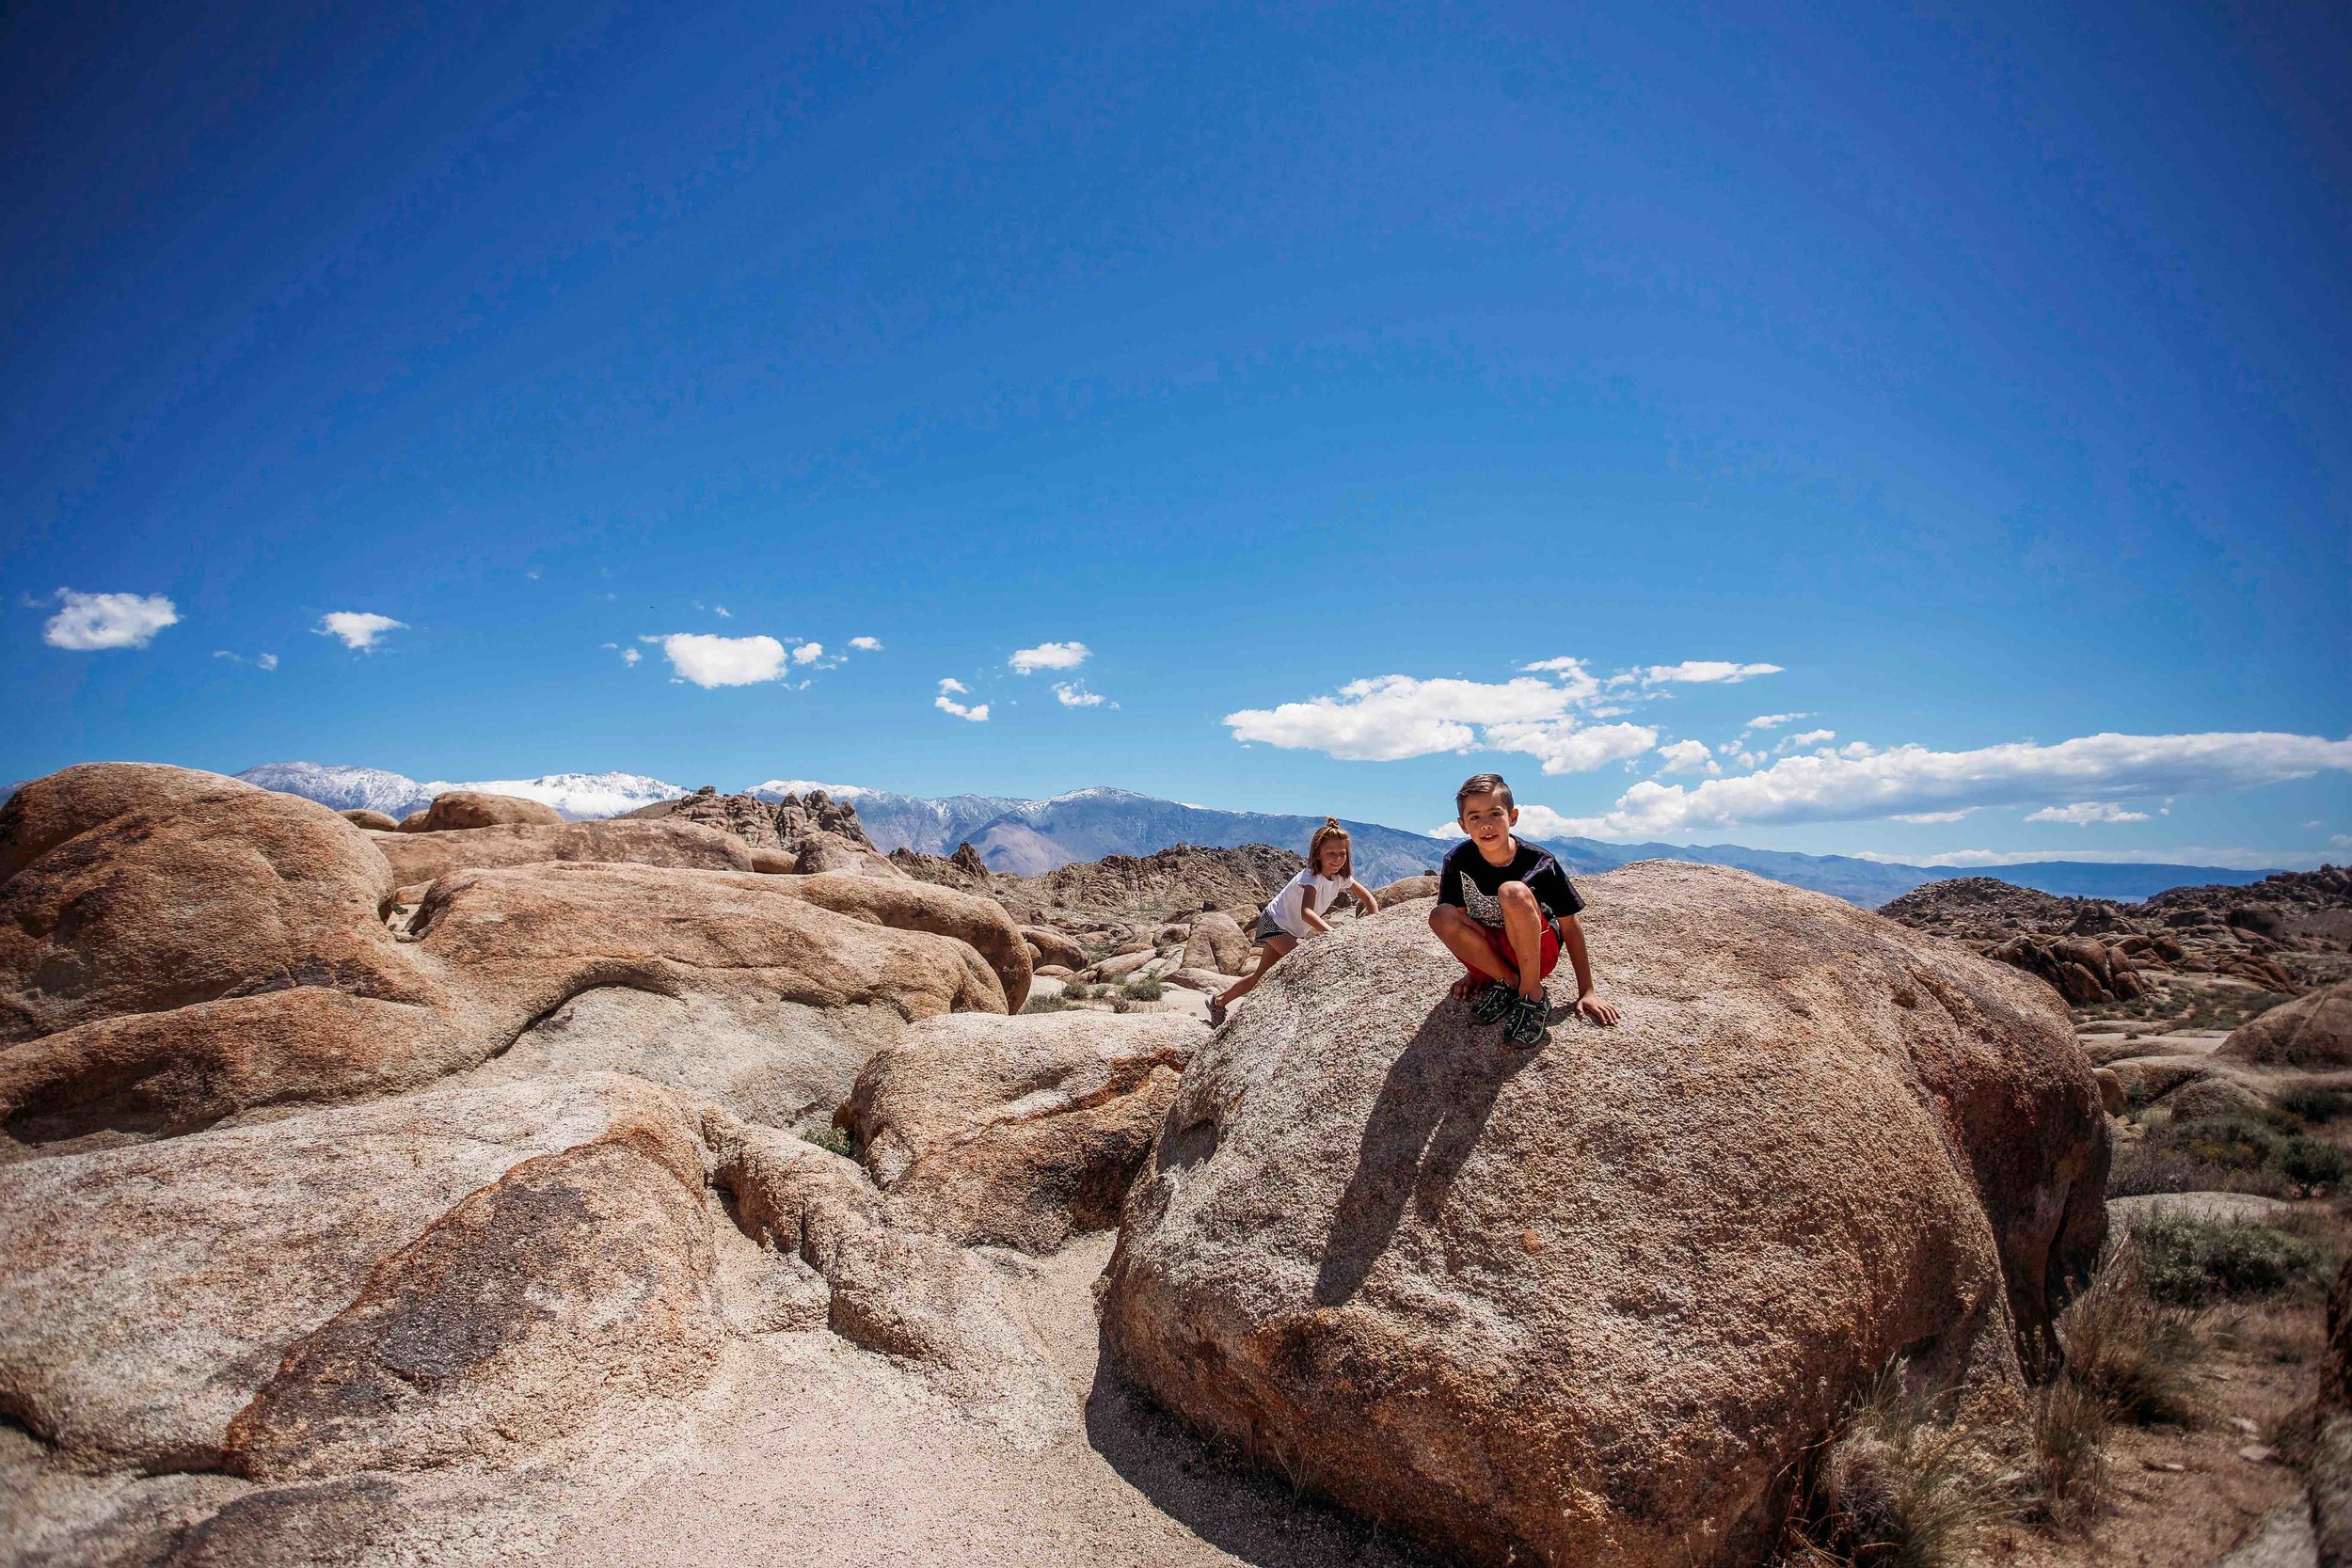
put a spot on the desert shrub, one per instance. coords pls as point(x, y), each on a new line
point(2130, 1352)
point(830, 1138)
point(2314, 1102)
point(1047, 1002)
point(1142, 989)
point(2240, 1143)
point(1898, 1489)
point(1120, 1005)
point(2149, 1165)
point(2188, 1261)
point(2065, 1478)
point(1078, 990)
point(2309, 1162)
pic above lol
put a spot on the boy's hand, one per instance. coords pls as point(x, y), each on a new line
point(1589, 1005)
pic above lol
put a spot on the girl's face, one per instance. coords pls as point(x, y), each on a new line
point(1334, 858)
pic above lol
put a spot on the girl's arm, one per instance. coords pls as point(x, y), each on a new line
point(1364, 896)
point(1316, 923)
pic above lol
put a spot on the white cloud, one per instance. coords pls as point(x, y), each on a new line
point(1935, 815)
point(267, 662)
point(629, 656)
point(1074, 694)
point(358, 628)
point(950, 690)
point(1563, 747)
point(1534, 822)
point(1688, 756)
point(808, 652)
point(1572, 677)
point(1050, 656)
point(1706, 672)
point(1393, 716)
point(722, 613)
point(1810, 738)
point(1772, 720)
point(712, 661)
point(866, 644)
point(2228, 858)
point(2339, 841)
point(1913, 779)
point(2082, 814)
point(89, 621)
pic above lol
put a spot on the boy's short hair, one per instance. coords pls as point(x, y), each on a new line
point(1482, 784)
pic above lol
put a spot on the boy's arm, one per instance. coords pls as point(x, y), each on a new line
point(1572, 938)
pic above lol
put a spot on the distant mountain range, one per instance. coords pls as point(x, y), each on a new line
point(1028, 837)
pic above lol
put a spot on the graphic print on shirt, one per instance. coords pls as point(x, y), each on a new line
point(1480, 905)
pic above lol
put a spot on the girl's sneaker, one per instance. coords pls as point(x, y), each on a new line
point(1529, 1015)
point(1491, 1001)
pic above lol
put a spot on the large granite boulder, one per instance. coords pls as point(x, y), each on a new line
point(904, 904)
point(1217, 943)
point(418, 858)
point(1017, 1132)
point(1593, 1303)
point(2314, 1030)
point(179, 947)
point(459, 809)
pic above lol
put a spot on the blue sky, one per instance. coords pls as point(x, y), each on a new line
point(1317, 370)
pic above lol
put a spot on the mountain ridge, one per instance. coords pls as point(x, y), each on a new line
point(1030, 837)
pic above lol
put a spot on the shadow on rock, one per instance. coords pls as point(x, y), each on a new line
point(1426, 1121)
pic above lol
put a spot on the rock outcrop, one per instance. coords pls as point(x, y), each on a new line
point(460, 809)
point(2314, 1031)
point(1593, 1303)
point(1217, 943)
point(906, 905)
point(1017, 1132)
point(419, 858)
point(375, 821)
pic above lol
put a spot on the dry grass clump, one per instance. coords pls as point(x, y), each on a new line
point(832, 1139)
point(1048, 1001)
point(1898, 1488)
point(2127, 1349)
point(1144, 989)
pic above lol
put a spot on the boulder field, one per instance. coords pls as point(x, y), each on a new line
point(1593, 1304)
point(390, 1199)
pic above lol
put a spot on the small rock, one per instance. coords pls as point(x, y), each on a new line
point(2258, 1453)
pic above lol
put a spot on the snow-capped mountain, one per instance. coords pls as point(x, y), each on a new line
point(574, 795)
point(896, 821)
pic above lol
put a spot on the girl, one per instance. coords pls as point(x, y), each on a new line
point(1296, 913)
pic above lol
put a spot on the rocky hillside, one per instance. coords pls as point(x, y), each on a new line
point(2288, 931)
point(1177, 881)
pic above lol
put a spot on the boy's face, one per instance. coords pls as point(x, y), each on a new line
point(1487, 820)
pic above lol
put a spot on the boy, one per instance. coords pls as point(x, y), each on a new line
point(1505, 909)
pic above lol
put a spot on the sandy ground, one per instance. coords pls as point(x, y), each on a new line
point(816, 1452)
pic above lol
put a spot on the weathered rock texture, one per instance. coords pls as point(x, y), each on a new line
point(471, 808)
point(1018, 1131)
point(1593, 1303)
point(909, 906)
point(177, 947)
point(1217, 943)
point(375, 821)
point(422, 857)
point(2310, 1031)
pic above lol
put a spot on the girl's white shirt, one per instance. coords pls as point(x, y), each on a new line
point(1285, 909)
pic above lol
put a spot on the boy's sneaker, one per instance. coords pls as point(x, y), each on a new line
point(1528, 1016)
point(1491, 1001)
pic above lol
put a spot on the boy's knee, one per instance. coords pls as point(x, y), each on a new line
point(1443, 916)
point(1516, 896)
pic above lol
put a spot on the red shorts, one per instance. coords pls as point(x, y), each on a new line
point(1499, 939)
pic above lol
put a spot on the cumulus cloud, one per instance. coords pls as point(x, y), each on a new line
point(866, 644)
point(1566, 747)
point(1688, 756)
point(358, 628)
point(1772, 720)
point(808, 652)
point(1914, 779)
point(1050, 656)
point(1074, 694)
point(1703, 672)
point(950, 690)
point(1388, 717)
point(629, 656)
point(1534, 822)
point(2082, 814)
point(266, 661)
point(712, 661)
point(1808, 737)
point(87, 622)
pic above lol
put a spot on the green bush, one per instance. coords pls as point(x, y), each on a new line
point(1047, 1002)
point(2309, 1162)
point(2315, 1102)
point(1078, 990)
point(830, 1138)
point(1142, 990)
point(2190, 1262)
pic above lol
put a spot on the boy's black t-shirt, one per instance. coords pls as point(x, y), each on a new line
point(1468, 882)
